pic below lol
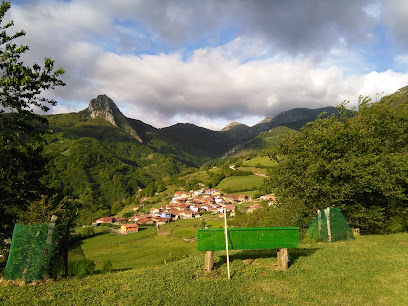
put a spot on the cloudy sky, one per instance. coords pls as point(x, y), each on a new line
point(210, 62)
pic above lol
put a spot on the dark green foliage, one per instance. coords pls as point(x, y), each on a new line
point(106, 266)
point(266, 140)
point(81, 267)
point(357, 163)
point(42, 210)
point(89, 231)
point(202, 140)
point(102, 165)
point(21, 130)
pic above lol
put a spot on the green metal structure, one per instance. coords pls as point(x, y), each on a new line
point(330, 226)
point(248, 238)
point(37, 250)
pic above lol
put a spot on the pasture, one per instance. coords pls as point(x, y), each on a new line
point(264, 161)
point(370, 270)
point(241, 183)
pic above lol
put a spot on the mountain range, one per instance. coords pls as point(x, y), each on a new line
point(103, 158)
point(189, 137)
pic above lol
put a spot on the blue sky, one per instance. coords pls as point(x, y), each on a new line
point(210, 62)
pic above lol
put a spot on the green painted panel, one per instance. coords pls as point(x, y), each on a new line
point(248, 238)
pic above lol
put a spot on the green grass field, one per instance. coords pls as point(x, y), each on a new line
point(120, 249)
point(254, 170)
point(237, 183)
point(370, 270)
point(264, 161)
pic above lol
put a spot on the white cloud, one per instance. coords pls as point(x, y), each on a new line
point(282, 57)
point(213, 87)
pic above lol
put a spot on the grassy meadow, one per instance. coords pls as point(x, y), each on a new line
point(370, 270)
point(132, 251)
point(264, 161)
point(238, 183)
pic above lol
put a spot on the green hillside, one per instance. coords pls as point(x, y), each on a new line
point(101, 164)
point(234, 184)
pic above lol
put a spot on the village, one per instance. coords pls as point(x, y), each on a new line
point(186, 205)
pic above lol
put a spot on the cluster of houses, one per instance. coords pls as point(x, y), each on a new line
point(185, 205)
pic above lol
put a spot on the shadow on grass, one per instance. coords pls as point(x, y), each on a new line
point(294, 255)
point(113, 270)
point(78, 238)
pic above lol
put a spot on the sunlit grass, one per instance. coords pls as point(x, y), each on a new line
point(238, 183)
point(370, 270)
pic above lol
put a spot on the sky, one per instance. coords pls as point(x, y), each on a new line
point(211, 62)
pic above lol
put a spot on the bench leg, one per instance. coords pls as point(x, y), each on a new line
point(283, 258)
point(209, 260)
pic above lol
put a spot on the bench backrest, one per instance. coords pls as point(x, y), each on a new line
point(248, 238)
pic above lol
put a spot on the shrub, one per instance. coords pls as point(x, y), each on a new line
point(81, 267)
point(107, 266)
point(89, 231)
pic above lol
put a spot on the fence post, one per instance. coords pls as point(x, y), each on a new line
point(283, 258)
point(209, 260)
point(51, 228)
point(329, 235)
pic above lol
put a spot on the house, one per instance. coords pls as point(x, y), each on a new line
point(145, 220)
point(268, 197)
point(219, 200)
point(198, 192)
point(213, 209)
point(231, 209)
point(154, 211)
point(161, 220)
point(182, 206)
point(165, 215)
point(175, 214)
point(104, 220)
point(129, 228)
point(210, 191)
point(194, 208)
point(120, 220)
point(253, 207)
point(231, 198)
point(187, 214)
point(242, 197)
point(209, 200)
point(134, 218)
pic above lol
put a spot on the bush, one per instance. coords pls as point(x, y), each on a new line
point(107, 266)
point(89, 231)
point(81, 267)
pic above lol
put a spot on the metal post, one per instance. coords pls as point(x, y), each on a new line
point(226, 242)
point(329, 236)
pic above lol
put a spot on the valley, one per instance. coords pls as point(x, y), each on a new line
point(107, 161)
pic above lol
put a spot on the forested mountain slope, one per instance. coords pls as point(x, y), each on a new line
point(104, 159)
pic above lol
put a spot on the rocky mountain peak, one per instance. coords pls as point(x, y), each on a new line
point(103, 107)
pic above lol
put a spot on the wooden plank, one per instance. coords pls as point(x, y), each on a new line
point(248, 238)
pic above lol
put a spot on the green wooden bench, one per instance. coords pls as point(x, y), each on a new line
point(280, 238)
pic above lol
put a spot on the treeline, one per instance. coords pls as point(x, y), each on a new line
point(103, 173)
point(358, 163)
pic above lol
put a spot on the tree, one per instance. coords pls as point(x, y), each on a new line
point(358, 163)
point(21, 143)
